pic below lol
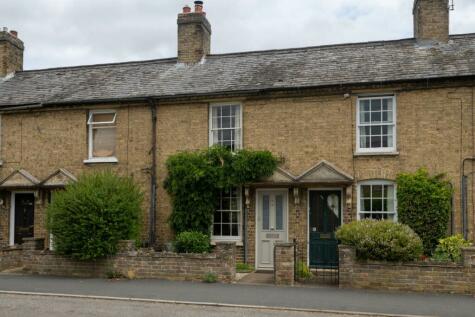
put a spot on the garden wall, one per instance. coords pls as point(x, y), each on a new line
point(412, 277)
point(128, 262)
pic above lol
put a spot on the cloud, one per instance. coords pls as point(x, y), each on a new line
point(71, 32)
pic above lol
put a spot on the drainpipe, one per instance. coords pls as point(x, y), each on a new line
point(153, 176)
point(463, 191)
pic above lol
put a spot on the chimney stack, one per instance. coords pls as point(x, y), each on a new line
point(11, 52)
point(194, 35)
point(431, 21)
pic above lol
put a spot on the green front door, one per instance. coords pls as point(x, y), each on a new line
point(324, 219)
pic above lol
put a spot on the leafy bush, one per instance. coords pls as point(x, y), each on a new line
point(192, 242)
point(210, 278)
point(381, 240)
point(424, 204)
point(244, 268)
point(450, 249)
point(89, 217)
point(303, 272)
point(195, 180)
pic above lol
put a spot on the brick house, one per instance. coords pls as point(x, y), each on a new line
point(345, 119)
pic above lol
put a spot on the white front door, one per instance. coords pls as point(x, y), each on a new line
point(271, 225)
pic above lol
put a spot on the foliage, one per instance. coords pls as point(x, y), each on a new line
point(450, 249)
point(210, 278)
point(113, 275)
point(192, 242)
point(303, 272)
point(424, 204)
point(89, 217)
point(244, 268)
point(381, 240)
point(195, 180)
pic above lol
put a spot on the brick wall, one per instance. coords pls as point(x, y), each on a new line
point(431, 20)
point(11, 54)
point(409, 277)
point(129, 262)
point(284, 267)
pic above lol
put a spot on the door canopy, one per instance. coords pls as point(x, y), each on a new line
point(19, 179)
point(321, 173)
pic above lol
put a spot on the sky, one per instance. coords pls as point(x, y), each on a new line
point(70, 32)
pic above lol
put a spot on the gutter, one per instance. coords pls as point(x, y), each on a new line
point(153, 176)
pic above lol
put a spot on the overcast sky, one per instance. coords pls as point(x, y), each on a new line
point(71, 32)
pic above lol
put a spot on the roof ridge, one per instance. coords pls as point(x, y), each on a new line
point(278, 51)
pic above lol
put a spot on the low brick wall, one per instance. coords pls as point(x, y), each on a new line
point(412, 277)
point(131, 263)
point(10, 258)
point(284, 266)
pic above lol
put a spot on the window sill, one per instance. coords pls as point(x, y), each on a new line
point(101, 160)
point(356, 154)
point(237, 241)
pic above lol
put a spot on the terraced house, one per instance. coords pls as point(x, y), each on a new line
point(345, 119)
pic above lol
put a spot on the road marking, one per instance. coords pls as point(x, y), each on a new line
point(210, 304)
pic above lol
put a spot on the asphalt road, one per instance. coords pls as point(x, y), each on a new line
point(38, 306)
point(323, 298)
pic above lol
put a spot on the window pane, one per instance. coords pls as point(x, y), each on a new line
point(217, 229)
point(103, 142)
point(365, 204)
point(376, 141)
point(217, 217)
point(376, 117)
point(235, 218)
point(103, 117)
point(226, 217)
point(265, 212)
point(376, 130)
point(365, 117)
point(366, 191)
point(364, 105)
point(279, 212)
point(377, 205)
point(376, 105)
point(235, 230)
point(377, 191)
point(226, 230)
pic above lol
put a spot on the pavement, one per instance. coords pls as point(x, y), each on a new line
point(40, 306)
point(316, 298)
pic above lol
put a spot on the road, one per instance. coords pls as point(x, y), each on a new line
point(39, 306)
point(318, 298)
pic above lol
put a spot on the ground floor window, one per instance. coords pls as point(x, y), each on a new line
point(377, 200)
point(227, 217)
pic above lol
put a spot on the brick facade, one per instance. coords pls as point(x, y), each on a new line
point(412, 277)
point(284, 264)
point(310, 129)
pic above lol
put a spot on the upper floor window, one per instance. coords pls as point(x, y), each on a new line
point(102, 135)
point(376, 124)
point(225, 125)
point(227, 217)
point(377, 200)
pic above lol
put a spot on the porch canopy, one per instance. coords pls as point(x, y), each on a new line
point(22, 179)
point(323, 173)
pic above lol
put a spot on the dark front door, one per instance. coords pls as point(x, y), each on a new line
point(324, 219)
point(24, 217)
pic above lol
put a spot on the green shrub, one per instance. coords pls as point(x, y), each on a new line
point(89, 217)
point(192, 242)
point(381, 240)
point(210, 278)
point(303, 272)
point(244, 268)
point(195, 180)
point(424, 204)
point(450, 249)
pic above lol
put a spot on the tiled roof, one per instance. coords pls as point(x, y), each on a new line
point(358, 63)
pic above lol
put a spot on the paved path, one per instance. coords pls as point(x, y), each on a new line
point(38, 306)
point(298, 297)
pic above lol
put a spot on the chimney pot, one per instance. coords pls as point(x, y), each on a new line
point(198, 6)
point(186, 9)
point(14, 33)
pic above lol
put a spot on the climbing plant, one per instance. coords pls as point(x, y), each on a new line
point(196, 178)
point(424, 204)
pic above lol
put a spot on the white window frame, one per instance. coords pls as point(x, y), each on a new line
point(90, 125)
point(380, 150)
point(376, 182)
point(237, 238)
point(210, 124)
